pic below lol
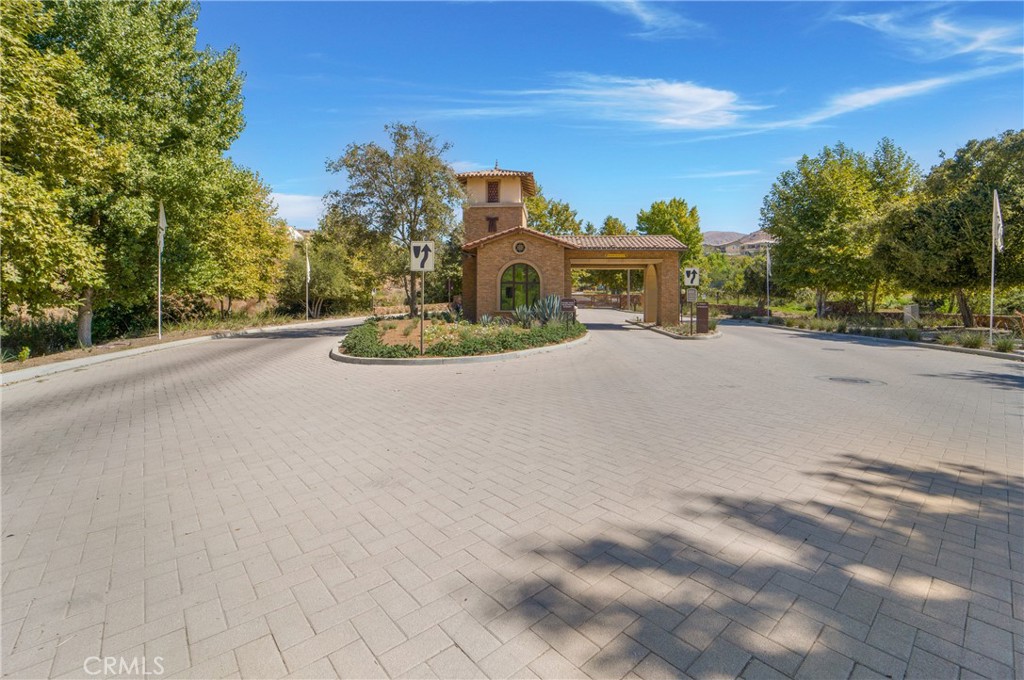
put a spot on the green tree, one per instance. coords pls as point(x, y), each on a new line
point(404, 194)
point(46, 155)
point(248, 244)
point(818, 215)
point(724, 274)
point(613, 226)
point(551, 216)
point(674, 218)
point(941, 241)
point(145, 88)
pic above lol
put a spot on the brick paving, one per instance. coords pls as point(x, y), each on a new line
point(638, 507)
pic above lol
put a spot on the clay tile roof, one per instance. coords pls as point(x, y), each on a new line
point(529, 185)
point(626, 242)
point(473, 245)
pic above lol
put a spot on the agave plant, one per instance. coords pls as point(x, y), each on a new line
point(547, 309)
point(523, 316)
point(486, 320)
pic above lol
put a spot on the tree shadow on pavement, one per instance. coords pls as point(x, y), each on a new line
point(1005, 381)
point(889, 571)
point(288, 334)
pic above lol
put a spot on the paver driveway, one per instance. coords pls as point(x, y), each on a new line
point(638, 506)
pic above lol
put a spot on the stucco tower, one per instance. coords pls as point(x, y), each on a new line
point(495, 202)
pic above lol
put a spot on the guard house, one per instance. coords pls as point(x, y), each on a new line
point(506, 264)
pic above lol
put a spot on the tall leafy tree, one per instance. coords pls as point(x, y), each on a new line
point(674, 218)
point(46, 156)
point(818, 216)
point(174, 109)
point(247, 242)
point(551, 216)
point(613, 226)
point(941, 241)
point(403, 194)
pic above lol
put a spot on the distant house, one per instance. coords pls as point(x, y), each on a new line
point(751, 244)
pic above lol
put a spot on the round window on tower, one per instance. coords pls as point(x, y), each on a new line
point(519, 247)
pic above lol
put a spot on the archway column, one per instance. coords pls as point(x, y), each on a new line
point(651, 294)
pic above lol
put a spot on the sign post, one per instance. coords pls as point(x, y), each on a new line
point(421, 259)
point(568, 307)
point(691, 297)
point(691, 277)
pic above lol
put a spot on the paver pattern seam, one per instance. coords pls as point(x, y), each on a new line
point(637, 507)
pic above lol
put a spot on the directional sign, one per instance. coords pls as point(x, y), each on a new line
point(421, 256)
point(691, 276)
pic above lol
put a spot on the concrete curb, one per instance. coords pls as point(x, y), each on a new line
point(442, 361)
point(656, 329)
point(12, 377)
point(908, 343)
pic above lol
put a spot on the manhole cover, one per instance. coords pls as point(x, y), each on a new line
point(849, 381)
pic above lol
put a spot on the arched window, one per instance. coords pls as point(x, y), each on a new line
point(520, 285)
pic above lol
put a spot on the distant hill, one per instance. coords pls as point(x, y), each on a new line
point(719, 238)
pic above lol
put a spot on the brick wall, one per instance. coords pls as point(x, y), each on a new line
point(492, 259)
point(475, 219)
point(469, 286)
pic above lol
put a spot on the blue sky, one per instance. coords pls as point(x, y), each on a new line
point(614, 105)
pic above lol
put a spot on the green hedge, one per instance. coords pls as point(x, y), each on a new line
point(364, 341)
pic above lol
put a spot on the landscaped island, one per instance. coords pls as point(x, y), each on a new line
point(445, 335)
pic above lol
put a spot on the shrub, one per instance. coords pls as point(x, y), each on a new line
point(523, 316)
point(912, 333)
point(971, 340)
point(1005, 344)
point(486, 320)
point(546, 310)
point(24, 354)
point(364, 341)
point(947, 338)
point(42, 336)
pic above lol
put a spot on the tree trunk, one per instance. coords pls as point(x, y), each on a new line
point(85, 319)
point(874, 296)
point(414, 306)
point(965, 308)
point(819, 303)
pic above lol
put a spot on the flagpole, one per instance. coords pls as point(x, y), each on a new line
point(768, 279)
point(306, 244)
point(996, 224)
point(159, 296)
point(160, 230)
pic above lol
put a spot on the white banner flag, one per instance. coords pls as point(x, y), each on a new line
point(161, 229)
point(307, 266)
point(768, 253)
point(997, 221)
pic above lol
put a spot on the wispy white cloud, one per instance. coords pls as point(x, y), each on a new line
point(661, 104)
point(299, 210)
point(651, 103)
point(932, 36)
point(657, 20)
point(718, 174)
point(876, 96)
